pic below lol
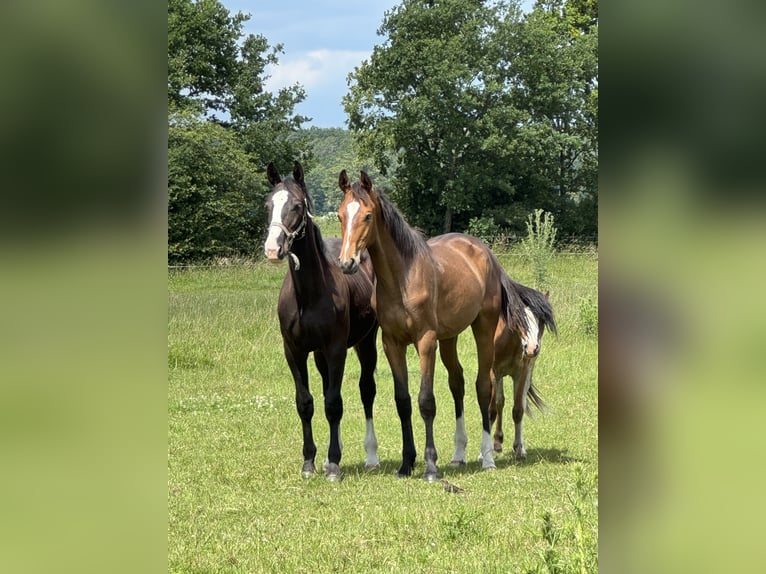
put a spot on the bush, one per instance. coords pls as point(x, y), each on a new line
point(589, 316)
point(537, 246)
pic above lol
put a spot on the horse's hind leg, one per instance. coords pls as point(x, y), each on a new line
point(304, 402)
point(496, 406)
point(520, 387)
point(484, 333)
point(448, 352)
point(367, 352)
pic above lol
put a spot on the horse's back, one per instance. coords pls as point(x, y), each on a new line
point(469, 279)
point(464, 262)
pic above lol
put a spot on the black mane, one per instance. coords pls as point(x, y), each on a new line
point(410, 241)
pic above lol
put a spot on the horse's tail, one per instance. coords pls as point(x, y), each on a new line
point(535, 398)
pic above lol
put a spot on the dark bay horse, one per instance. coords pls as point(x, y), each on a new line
point(321, 310)
point(426, 294)
point(516, 351)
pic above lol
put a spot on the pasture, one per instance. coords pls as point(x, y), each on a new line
point(237, 501)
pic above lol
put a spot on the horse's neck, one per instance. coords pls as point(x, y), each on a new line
point(310, 277)
point(389, 263)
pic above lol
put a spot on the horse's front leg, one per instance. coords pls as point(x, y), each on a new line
point(426, 346)
point(304, 402)
point(331, 364)
point(520, 389)
point(496, 407)
point(367, 352)
point(396, 353)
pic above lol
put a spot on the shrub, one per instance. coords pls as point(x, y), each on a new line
point(538, 245)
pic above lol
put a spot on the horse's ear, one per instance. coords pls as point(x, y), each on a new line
point(343, 182)
point(546, 295)
point(366, 182)
point(298, 173)
point(273, 174)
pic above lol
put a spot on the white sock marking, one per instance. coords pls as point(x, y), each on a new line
point(371, 445)
point(461, 440)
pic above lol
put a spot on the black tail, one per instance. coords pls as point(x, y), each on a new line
point(535, 399)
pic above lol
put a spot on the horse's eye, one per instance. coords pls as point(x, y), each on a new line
point(296, 207)
point(368, 217)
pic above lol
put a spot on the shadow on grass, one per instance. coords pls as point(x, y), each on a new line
point(502, 460)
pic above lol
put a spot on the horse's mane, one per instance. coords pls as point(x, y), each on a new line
point(531, 298)
point(410, 241)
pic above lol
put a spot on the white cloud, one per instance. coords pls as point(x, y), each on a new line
point(315, 70)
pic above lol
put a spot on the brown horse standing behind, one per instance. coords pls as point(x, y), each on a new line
point(426, 294)
point(516, 351)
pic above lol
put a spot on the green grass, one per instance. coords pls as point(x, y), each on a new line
point(237, 502)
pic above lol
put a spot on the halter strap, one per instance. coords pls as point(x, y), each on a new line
point(298, 233)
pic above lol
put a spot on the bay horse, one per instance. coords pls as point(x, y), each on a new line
point(516, 351)
point(321, 310)
point(426, 294)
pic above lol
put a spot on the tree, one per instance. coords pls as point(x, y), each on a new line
point(223, 125)
point(215, 199)
point(489, 114)
point(422, 95)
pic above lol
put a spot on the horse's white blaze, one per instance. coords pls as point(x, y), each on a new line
point(272, 247)
point(533, 332)
point(461, 440)
point(371, 445)
point(351, 210)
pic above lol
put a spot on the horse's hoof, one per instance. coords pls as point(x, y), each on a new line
point(431, 477)
point(372, 467)
point(488, 466)
point(457, 463)
point(333, 472)
point(308, 469)
point(498, 447)
point(404, 472)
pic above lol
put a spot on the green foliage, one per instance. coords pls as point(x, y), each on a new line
point(484, 228)
point(484, 112)
point(215, 196)
point(589, 316)
point(223, 128)
point(568, 545)
point(538, 245)
point(332, 151)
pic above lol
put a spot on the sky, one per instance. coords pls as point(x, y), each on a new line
point(322, 41)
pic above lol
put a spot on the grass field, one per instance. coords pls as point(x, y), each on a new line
point(237, 502)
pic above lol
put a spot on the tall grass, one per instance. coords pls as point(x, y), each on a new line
point(237, 502)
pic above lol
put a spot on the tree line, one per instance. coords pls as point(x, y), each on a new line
point(470, 114)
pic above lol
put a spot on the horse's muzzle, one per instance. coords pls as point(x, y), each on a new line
point(274, 255)
point(349, 266)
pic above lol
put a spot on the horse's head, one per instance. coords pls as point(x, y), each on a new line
point(532, 336)
point(357, 219)
point(288, 205)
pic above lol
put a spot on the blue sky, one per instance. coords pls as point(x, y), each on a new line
point(323, 40)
